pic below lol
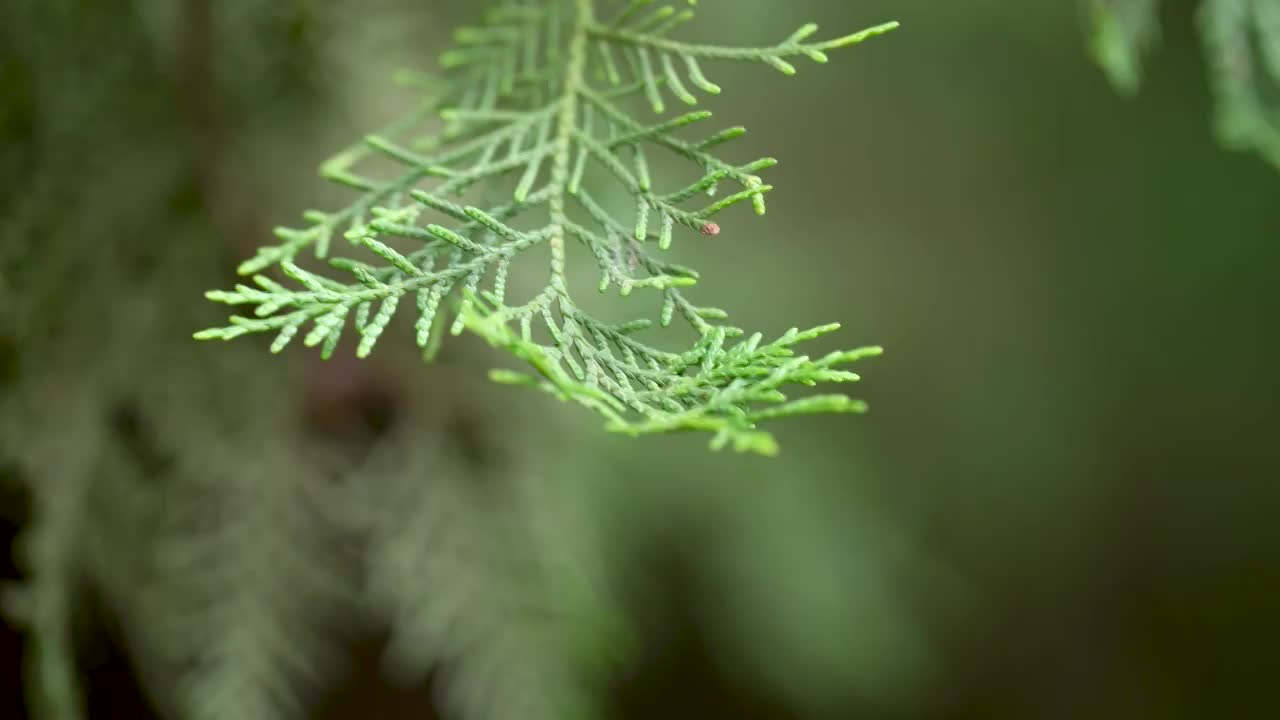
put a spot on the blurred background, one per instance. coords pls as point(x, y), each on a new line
point(1062, 505)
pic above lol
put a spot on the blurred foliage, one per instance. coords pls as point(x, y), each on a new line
point(218, 529)
point(1242, 43)
point(1063, 506)
point(1124, 32)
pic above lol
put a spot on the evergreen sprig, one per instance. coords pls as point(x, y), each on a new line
point(534, 105)
point(1242, 43)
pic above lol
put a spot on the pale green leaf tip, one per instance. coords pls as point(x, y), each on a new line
point(510, 377)
point(759, 443)
point(855, 38)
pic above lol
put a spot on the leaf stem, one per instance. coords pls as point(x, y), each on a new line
point(562, 155)
point(718, 52)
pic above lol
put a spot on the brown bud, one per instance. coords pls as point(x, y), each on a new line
point(711, 229)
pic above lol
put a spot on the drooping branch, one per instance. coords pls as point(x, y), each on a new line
point(525, 117)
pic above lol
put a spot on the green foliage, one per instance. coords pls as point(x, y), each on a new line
point(1242, 43)
point(1123, 32)
point(246, 572)
point(538, 134)
point(51, 551)
point(466, 588)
